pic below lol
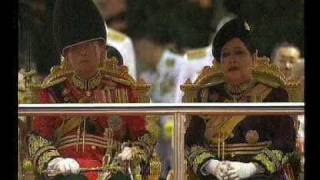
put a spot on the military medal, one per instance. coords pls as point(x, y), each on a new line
point(252, 136)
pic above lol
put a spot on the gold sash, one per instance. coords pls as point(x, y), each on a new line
point(67, 126)
point(220, 128)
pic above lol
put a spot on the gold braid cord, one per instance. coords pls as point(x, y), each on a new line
point(41, 151)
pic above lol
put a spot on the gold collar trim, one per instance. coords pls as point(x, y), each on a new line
point(88, 84)
point(239, 89)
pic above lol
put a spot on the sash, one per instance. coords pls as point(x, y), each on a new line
point(220, 128)
point(67, 126)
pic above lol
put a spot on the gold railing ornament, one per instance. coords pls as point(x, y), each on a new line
point(153, 126)
point(29, 86)
point(28, 170)
point(155, 167)
point(137, 173)
point(143, 90)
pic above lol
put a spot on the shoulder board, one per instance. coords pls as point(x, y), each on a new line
point(56, 76)
point(51, 82)
point(116, 79)
point(214, 83)
point(116, 36)
point(196, 54)
point(268, 82)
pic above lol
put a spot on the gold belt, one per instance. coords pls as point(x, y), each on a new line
point(238, 149)
point(73, 140)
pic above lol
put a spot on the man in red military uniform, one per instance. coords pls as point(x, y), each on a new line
point(60, 146)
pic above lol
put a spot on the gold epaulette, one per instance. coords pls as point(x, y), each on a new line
point(116, 36)
point(110, 70)
point(213, 83)
point(268, 73)
point(57, 75)
point(268, 82)
point(106, 75)
point(196, 54)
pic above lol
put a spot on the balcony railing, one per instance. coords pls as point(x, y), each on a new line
point(179, 110)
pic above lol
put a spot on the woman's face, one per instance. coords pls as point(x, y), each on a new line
point(86, 57)
point(237, 62)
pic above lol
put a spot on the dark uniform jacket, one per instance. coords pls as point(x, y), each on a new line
point(264, 139)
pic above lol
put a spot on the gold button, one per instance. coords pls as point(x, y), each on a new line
point(93, 147)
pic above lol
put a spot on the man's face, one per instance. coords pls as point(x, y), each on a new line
point(114, 12)
point(286, 58)
point(85, 57)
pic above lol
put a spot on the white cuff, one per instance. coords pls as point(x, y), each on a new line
point(247, 170)
point(209, 167)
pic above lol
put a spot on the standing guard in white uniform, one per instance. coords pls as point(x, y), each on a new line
point(197, 59)
point(123, 44)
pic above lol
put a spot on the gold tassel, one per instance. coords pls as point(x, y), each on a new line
point(78, 138)
point(83, 134)
point(219, 143)
point(222, 146)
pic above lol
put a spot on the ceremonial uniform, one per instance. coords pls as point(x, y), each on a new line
point(261, 139)
point(123, 44)
point(85, 141)
point(165, 79)
point(82, 138)
point(197, 59)
point(265, 143)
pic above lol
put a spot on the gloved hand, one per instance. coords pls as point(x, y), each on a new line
point(126, 154)
point(238, 170)
point(217, 168)
point(62, 166)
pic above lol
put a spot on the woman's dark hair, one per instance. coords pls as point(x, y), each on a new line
point(235, 28)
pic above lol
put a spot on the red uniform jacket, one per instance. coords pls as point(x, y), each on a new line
point(75, 90)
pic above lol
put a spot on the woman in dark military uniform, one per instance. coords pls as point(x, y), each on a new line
point(239, 147)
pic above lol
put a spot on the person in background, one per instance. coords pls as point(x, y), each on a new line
point(114, 13)
point(114, 53)
point(286, 56)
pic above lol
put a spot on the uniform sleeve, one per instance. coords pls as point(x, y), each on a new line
point(45, 126)
point(40, 141)
point(196, 152)
point(136, 126)
point(137, 134)
point(282, 134)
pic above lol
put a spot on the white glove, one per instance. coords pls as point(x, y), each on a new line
point(63, 166)
point(239, 170)
point(217, 168)
point(126, 154)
